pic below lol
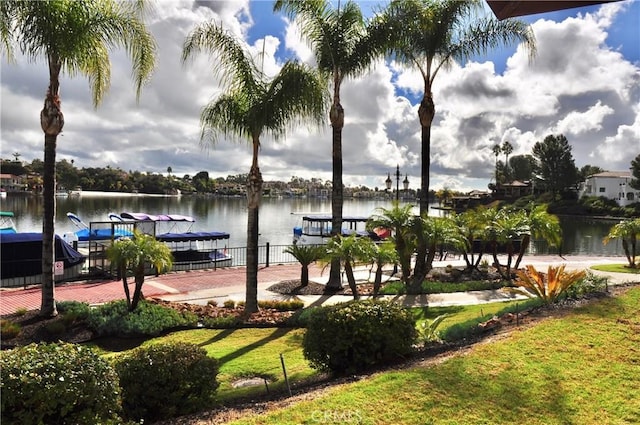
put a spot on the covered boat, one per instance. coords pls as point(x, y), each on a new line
point(191, 250)
point(316, 229)
point(21, 256)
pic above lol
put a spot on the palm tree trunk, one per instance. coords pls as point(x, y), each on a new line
point(304, 275)
point(426, 112)
point(377, 281)
point(526, 239)
point(52, 122)
point(348, 269)
point(48, 304)
point(337, 193)
point(137, 291)
point(254, 192)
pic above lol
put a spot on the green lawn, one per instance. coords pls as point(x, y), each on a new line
point(583, 368)
point(580, 369)
point(616, 268)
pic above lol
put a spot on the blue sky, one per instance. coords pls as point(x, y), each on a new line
point(584, 83)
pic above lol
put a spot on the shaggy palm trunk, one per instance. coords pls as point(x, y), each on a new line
point(304, 275)
point(137, 291)
point(377, 281)
point(348, 269)
point(337, 123)
point(526, 240)
point(125, 285)
point(426, 112)
point(52, 122)
point(254, 192)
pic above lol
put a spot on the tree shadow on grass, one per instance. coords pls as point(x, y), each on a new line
point(241, 351)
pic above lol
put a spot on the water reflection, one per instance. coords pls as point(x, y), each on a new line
point(278, 216)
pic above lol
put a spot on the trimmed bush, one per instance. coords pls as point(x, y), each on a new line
point(147, 319)
point(57, 384)
point(349, 337)
point(166, 380)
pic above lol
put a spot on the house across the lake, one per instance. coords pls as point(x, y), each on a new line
point(611, 185)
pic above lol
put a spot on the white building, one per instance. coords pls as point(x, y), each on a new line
point(611, 185)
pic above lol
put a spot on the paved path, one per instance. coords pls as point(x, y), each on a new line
point(200, 286)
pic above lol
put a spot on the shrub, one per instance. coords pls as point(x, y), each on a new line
point(221, 322)
point(166, 380)
point(147, 319)
point(229, 304)
point(57, 384)
point(549, 288)
point(9, 329)
point(353, 336)
point(428, 330)
point(589, 284)
point(279, 305)
point(301, 317)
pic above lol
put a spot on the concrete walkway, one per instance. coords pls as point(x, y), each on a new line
point(198, 287)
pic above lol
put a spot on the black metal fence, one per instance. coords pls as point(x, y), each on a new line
point(267, 255)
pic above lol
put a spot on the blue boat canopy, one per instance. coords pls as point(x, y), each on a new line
point(192, 236)
point(21, 254)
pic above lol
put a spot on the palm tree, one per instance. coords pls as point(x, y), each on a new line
point(345, 46)
point(629, 232)
point(431, 35)
point(75, 37)
point(542, 225)
point(496, 151)
point(305, 254)
point(253, 105)
point(507, 149)
point(398, 220)
point(134, 255)
point(350, 250)
point(438, 232)
point(505, 229)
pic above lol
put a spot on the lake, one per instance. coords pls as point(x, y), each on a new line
point(278, 216)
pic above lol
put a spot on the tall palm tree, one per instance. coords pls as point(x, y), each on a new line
point(496, 151)
point(252, 105)
point(431, 35)
point(345, 46)
point(507, 149)
point(74, 36)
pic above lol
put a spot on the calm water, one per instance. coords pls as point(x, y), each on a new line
point(278, 216)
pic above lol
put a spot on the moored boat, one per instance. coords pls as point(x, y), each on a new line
point(191, 250)
point(7, 226)
point(316, 229)
point(21, 257)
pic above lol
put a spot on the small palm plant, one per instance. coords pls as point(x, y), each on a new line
point(349, 250)
point(532, 282)
point(306, 254)
point(629, 232)
point(133, 255)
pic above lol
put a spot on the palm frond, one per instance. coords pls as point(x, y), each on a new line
point(233, 65)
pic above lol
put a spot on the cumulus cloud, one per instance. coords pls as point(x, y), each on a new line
point(577, 85)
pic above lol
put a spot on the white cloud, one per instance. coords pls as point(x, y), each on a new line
point(577, 85)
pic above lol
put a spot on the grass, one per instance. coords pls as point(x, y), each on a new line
point(579, 369)
point(255, 352)
point(616, 268)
